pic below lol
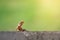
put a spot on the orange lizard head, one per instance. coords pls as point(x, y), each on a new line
point(21, 23)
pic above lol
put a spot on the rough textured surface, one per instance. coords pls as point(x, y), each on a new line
point(29, 35)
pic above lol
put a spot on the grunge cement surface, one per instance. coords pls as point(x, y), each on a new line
point(6, 35)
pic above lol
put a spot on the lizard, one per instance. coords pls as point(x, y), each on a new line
point(19, 27)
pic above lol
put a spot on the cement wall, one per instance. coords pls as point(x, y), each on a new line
point(29, 35)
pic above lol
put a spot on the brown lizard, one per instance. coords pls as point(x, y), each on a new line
point(19, 27)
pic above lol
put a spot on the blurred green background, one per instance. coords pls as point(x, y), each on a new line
point(38, 15)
